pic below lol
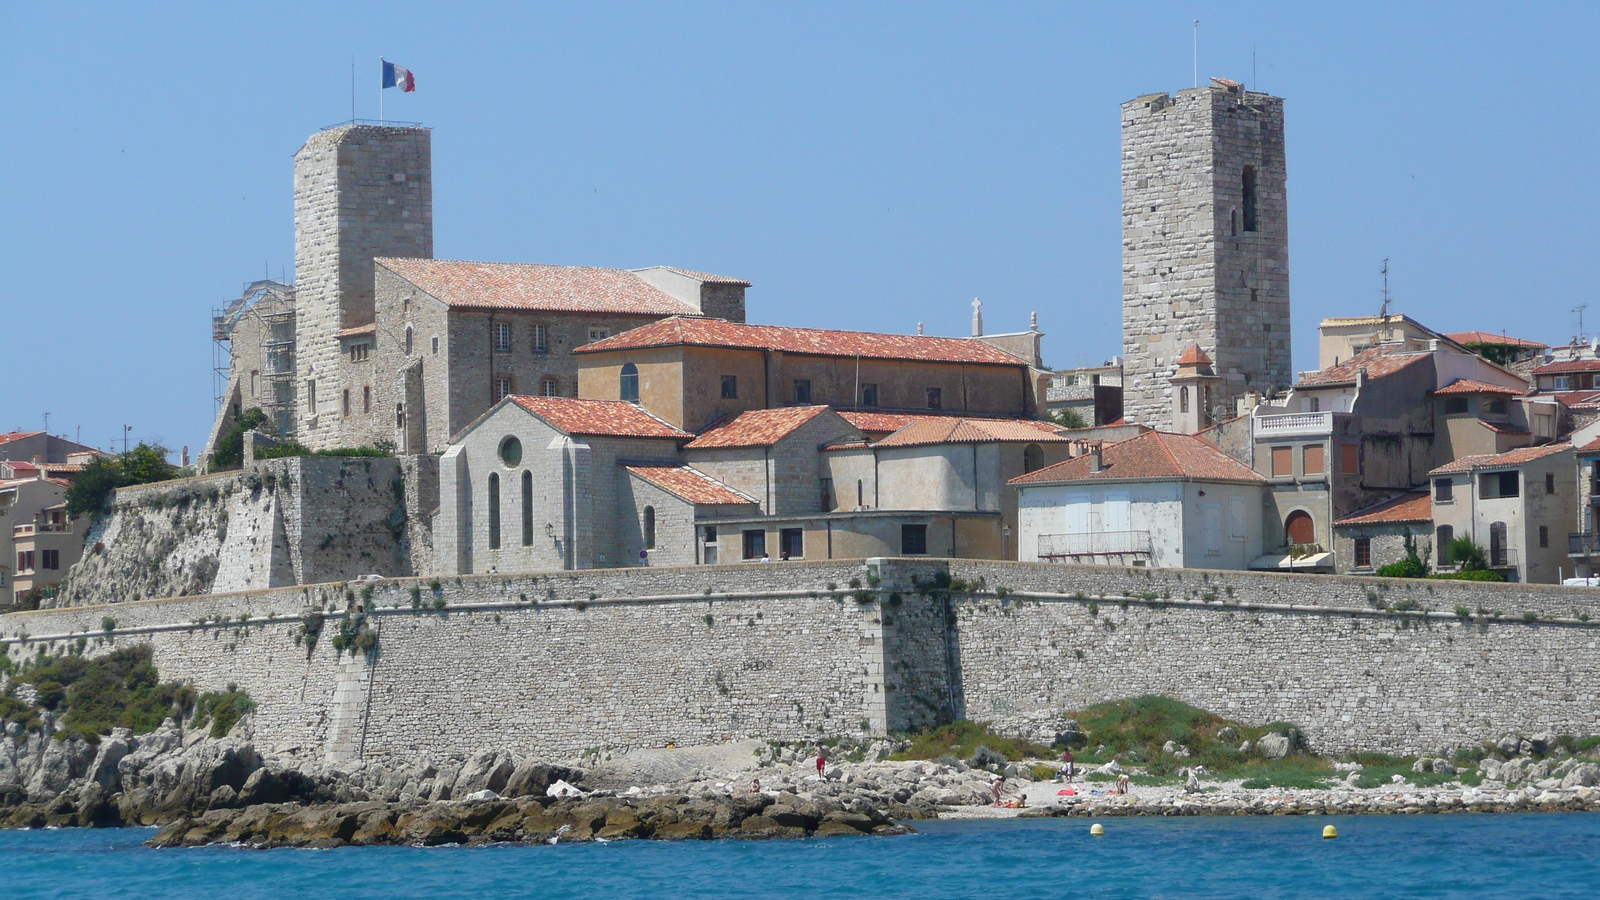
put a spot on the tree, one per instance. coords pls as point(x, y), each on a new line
point(1413, 566)
point(1067, 418)
point(91, 489)
point(230, 447)
point(1469, 555)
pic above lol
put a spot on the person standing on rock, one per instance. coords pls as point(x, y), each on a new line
point(822, 759)
point(1068, 765)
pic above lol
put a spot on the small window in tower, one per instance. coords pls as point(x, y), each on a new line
point(1234, 215)
point(541, 338)
point(436, 345)
point(869, 395)
point(502, 336)
point(359, 351)
point(935, 398)
point(802, 391)
point(1266, 327)
point(730, 387)
point(628, 383)
point(1249, 198)
point(549, 387)
point(345, 404)
point(366, 398)
point(1183, 399)
point(502, 387)
point(1255, 296)
point(408, 340)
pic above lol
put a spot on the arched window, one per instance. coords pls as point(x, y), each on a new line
point(629, 388)
point(408, 340)
point(649, 527)
point(860, 495)
point(527, 508)
point(1183, 399)
point(494, 511)
point(1032, 458)
point(1300, 528)
point(1497, 544)
point(1443, 535)
point(1249, 186)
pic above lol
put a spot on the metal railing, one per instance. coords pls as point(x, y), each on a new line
point(1097, 543)
point(1583, 545)
point(1295, 423)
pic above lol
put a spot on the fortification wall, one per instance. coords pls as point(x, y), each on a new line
point(300, 520)
point(556, 664)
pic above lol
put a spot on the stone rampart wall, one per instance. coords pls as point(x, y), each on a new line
point(558, 663)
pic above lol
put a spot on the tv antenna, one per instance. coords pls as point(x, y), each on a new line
point(1579, 310)
point(47, 421)
point(1383, 313)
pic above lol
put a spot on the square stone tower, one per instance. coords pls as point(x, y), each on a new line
point(1205, 245)
point(360, 191)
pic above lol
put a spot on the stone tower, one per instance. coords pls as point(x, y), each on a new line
point(1205, 245)
point(360, 191)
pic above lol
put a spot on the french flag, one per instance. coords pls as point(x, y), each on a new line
point(398, 76)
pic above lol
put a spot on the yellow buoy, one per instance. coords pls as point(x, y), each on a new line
point(1097, 829)
point(1329, 832)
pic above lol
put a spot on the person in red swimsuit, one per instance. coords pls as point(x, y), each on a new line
point(822, 759)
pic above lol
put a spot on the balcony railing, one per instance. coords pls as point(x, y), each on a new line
point(1295, 423)
point(1583, 545)
point(1098, 543)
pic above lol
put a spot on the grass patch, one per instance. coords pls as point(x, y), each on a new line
point(222, 709)
point(962, 738)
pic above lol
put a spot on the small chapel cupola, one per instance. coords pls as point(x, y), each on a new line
point(1193, 391)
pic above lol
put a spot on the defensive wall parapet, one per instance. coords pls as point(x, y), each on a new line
point(558, 663)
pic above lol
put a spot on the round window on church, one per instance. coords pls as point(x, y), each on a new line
point(511, 452)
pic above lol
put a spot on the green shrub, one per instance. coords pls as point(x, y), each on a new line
point(962, 738)
point(91, 488)
point(230, 447)
point(1469, 575)
point(91, 697)
point(222, 709)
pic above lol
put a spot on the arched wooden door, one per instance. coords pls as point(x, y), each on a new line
point(1300, 528)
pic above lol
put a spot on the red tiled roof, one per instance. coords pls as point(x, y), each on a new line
point(10, 436)
point(690, 484)
point(1414, 506)
point(756, 428)
point(884, 423)
point(616, 418)
point(1572, 398)
point(1154, 454)
point(359, 330)
point(1489, 337)
point(1502, 429)
point(1568, 365)
point(1504, 460)
point(972, 431)
point(18, 465)
point(1591, 447)
point(1468, 386)
point(707, 277)
point(1194, 356)
point(804, 341)
point(1384, 359)
point(481, 285)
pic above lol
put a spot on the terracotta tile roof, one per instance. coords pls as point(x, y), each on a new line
point(885, 423)
point(1468, 386)
point(805, 341)
point(614, 418)
point(690, 484)
point(1572, 398)
point(481, 285)
point(1413, 506)
point(972, 431)
point(10, 436)
point(1384, 359)
point(1489, 337)
point(756, 428)
point(1194, 356)
point(1502, 429)
point(359, 330)
point(1591, 447)
point(17, 465)
point(1568, 365)
point(1504, 460)
point(1154, 454)
point(707, 277)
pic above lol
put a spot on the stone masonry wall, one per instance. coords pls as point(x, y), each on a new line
point(556, 664)
point(301, 520)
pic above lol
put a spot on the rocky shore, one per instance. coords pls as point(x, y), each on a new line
point(206, 790)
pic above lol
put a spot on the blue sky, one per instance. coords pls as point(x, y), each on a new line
point(866, 165)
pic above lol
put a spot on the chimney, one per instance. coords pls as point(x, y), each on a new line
point(977, 317)
point(1094, 459)
point(1361, 376)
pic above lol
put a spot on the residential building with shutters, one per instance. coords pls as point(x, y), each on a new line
point(1515, 505)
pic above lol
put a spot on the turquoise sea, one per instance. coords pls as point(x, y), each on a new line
point(1550, 855)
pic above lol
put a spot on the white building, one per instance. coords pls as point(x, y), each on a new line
point(1159, 499)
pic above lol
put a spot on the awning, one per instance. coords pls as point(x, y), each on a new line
point(1283, 561)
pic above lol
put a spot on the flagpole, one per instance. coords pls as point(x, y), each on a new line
point(380, 90)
